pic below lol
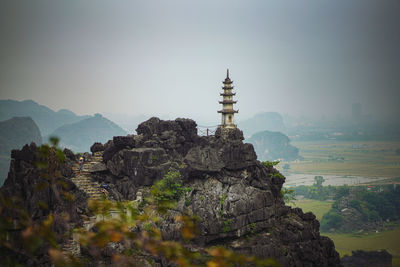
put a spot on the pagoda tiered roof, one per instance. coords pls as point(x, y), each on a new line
point(227, 94)
point(227, 81)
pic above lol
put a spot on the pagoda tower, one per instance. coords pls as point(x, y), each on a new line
point(227, 120)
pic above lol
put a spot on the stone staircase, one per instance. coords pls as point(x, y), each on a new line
point(88, 186)
point(92, 188)
point(83, 180)
point(72, 247)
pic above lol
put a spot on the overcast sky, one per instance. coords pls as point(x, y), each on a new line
point(299, 57)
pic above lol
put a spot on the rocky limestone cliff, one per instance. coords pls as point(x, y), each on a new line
point(237, 198)
point(32, 193)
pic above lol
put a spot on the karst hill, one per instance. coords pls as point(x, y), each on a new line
point(237, 199)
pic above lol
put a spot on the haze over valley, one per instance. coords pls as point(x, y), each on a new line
point(191, 132)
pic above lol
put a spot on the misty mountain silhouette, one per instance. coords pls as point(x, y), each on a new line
point(79, 136)
point(45, 118)
point(271, 121)
point(273, 146)
point(15, 133)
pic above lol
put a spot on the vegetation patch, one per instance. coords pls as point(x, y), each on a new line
point(226, 225)
point(222, 202)
point(169, 190)
point(288, 195)
point(223, 198)
point(252, 228)
point(270, 164)
point(363, 206)
point(320, 192)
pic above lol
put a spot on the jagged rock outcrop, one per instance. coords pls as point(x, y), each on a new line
point(96, 147)
point(34, 194)
point(238, 199)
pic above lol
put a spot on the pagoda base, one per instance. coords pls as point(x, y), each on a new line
point(230, 133)
point(227, 126)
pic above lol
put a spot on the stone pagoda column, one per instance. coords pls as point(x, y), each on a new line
point(227, 119)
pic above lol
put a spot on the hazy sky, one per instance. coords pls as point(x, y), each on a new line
point(301, 57)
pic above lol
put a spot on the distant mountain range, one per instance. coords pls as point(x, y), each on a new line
point(128, 122)
point(79, 136)
point(75, 132)
point(273, 146)
point(80, 132)
point(270, 121)
point(15, 133)
point(46, 119)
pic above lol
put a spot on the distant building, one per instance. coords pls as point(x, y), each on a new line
point(227, 119)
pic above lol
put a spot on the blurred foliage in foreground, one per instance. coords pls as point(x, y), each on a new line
point(128, 229)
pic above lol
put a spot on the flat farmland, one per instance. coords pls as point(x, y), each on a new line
point(319, 208)
point(389, 240)
point(345, 243)
point(348, 158)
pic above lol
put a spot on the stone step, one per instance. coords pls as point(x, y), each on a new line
point(98, 154)
point(88, 186)
point(71, 246)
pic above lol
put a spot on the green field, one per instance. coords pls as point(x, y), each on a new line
point(319, 208)
point(389, 240)
point(366, 158)
point(346, 243)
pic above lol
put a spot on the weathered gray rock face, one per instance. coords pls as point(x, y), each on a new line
point(142, 165)
point(24, 177)
point(237, 198)
point(33, 192)
point(228, 205)
point(204, 159)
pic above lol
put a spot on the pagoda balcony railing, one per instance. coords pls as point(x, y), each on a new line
point(228, 102)
point(228, 87)
point(228, 111)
